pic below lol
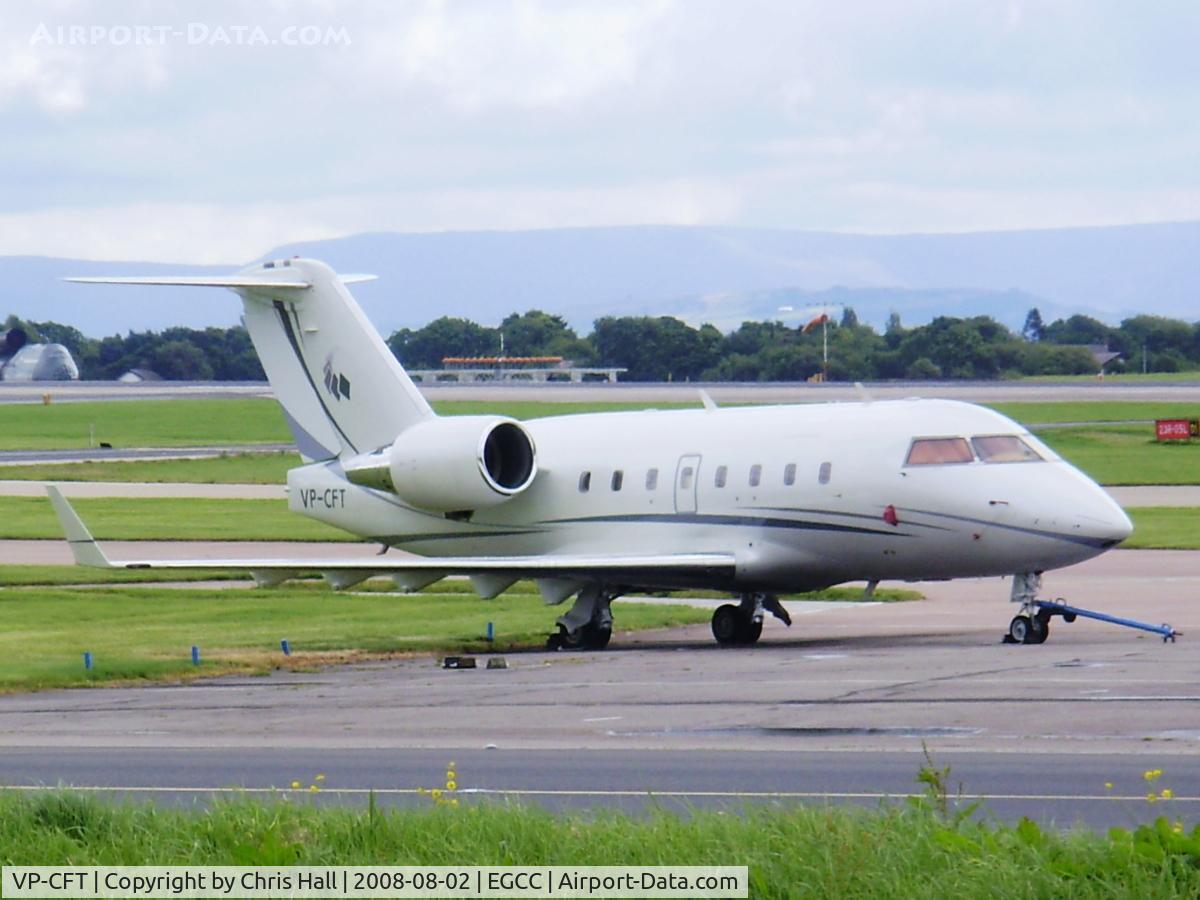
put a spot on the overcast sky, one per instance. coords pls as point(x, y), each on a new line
point(218, 130)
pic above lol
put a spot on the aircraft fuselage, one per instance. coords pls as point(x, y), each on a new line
point(804, 496)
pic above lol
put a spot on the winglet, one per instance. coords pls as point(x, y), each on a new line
point(709, 403)
point(83, 546)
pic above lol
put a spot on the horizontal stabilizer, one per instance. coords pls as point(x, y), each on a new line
point(225, 281)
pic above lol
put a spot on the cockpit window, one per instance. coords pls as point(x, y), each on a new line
point(1003, 448)
point(939, 451)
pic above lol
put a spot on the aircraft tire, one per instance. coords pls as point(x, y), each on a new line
point(1019, 628)
point(749, 632)
point(727, 624)
point(589, 637)
point(596, 638)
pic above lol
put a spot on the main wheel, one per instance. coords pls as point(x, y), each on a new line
point(727, 624)
point(749, 631)
point(589, 637)
point(595, 637)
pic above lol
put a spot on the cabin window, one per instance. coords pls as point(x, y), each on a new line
point(824, 472)
point(939, 451)
point(755, 475)
point(721, 475)
point(652, 480)
point(685, 477)
point(585, 482)
point(1003, 448)
point(617, 479)
point(789, 474)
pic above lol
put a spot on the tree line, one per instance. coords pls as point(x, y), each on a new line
point(663, 348)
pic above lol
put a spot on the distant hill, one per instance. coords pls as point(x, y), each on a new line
point(721, 275)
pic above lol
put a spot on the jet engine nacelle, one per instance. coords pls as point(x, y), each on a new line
point(451, 464)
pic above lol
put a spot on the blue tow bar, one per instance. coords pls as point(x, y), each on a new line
point(1058, 608)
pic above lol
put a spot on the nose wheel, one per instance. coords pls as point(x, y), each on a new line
point(1024, 629)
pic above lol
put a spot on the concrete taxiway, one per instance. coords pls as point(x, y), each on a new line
point(838, 706)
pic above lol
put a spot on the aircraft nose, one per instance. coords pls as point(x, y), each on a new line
point(1120, 525)
point(1105, 520)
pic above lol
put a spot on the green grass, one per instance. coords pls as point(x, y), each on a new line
point(166, 519)
point(253, 420)
point(70, 575)
point(1119, 378)
point(205, 421)
point(1116, 411)
point(898, 850)
point(1164, 528)
point(137, 633)
point(533, 409)
point(1126, 454)
point(142, 423)
point(233, 468)
point(1096, 411)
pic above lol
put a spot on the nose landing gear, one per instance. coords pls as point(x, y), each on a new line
point(1032, 624)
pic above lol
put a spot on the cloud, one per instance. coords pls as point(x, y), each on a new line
point(516, 113)
point(519, 54)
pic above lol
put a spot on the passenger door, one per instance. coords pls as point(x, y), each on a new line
point(687, 474)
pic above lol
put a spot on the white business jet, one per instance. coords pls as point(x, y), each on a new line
point(753, 501)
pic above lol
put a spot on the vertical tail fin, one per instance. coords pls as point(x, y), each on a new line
point(342, 390)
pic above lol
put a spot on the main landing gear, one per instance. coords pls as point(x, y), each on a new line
point(742, 623)
point(588, 624)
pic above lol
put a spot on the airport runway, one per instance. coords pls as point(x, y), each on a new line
point(1061, 789)
point(837, 706)
point(630, 392)
point(132, 454)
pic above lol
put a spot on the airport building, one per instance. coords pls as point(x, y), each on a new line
point(537, 369)
point(22, 361)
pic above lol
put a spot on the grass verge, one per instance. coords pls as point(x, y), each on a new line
point(137, 633)
point(42, 576)
point(207, 422)
point(1095, 411)
point(1164, 528)
point(233, 468)
point(143, 423)
point(1125, 454)
point(166, 519)
point(899, 850)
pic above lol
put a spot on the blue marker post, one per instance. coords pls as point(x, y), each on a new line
point(285, 647)
point(87, 660)
point(195, 655)
point(491, 633)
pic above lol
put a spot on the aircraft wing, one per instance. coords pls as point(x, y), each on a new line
point(558, 575)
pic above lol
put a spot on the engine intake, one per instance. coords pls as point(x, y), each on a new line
point(451, 464)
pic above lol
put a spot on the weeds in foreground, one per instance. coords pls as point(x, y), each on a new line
point(922, 850)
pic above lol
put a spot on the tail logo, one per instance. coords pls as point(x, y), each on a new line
point(336, 383)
